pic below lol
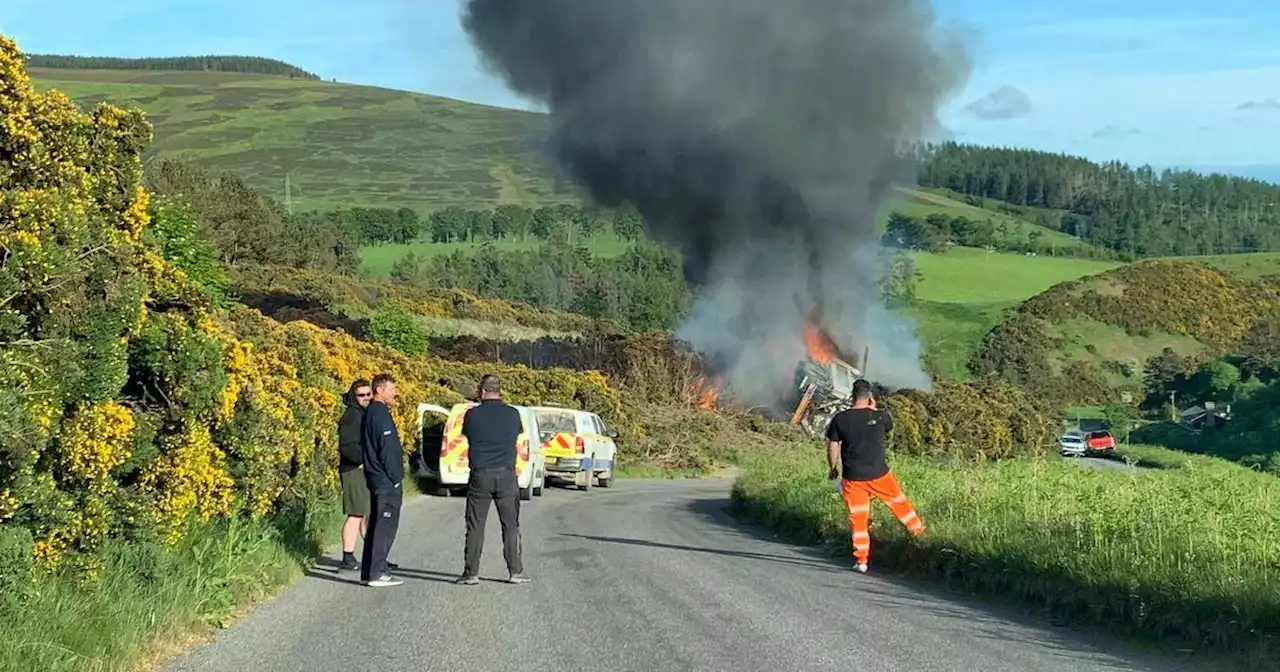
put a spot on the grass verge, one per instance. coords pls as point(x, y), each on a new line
point(1189, 553)
point(150, 603)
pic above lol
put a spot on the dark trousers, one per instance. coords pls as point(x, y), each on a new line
point(498, 486)
point(384, 520)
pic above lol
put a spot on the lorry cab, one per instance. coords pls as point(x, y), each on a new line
point(576, 445)
point(443, 456)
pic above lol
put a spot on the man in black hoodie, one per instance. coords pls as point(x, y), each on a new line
point(355, 492)
point(383, 470)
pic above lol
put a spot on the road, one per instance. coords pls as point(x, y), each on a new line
point(650, 575)
point(1107, 464)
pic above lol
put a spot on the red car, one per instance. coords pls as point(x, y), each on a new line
point(1099, 440)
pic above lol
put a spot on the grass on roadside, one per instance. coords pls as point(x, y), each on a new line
point(150, 602)
point(1190, 553)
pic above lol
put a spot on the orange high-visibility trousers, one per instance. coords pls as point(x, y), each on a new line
point(857, 499)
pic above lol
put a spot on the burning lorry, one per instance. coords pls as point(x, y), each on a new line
point(824, 386)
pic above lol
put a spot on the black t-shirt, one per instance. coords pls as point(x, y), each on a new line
point(492, 429)
point(861, 433)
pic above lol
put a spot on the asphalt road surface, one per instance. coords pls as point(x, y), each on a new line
point(647, 576)
point(1107, 464)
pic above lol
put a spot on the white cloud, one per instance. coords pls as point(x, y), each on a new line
point(1002, 104)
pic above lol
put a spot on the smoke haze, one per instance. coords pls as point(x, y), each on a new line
point(758, 136)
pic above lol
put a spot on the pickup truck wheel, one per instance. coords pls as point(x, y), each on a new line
point(542, 483)
point(526, 494)
point(605, 482)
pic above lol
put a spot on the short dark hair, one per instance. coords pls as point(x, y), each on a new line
point(359, 383)
point(382, 380)
point(861, 388)
point(490, 383)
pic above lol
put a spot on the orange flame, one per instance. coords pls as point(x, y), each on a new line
point(820, 347)
point(706, 394)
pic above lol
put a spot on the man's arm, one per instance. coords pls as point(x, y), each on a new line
point(833, 449)
point(378, 425)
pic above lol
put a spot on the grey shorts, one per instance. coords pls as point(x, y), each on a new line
point(355, 493)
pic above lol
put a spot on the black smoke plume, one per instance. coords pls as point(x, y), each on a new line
point(761, 137)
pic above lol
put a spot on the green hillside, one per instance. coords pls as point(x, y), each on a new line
point(1088, 340)
point(343, 144)
point(963, 294)
point(349, 145)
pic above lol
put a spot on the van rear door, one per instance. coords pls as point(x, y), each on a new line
point(455, 467)
point(431, 421)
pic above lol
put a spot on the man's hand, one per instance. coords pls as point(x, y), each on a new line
point(833, 473)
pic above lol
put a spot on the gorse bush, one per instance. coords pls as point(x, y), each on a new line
point(135, 409)
point(399, 328)
point(972, 420)
point(1221, 312)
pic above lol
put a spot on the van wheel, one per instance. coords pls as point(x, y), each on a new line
point(537, 490)
point(605, 482)
point(526, 494)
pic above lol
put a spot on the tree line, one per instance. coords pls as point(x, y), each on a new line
point(374, 226)
point(247, 64)
point(1137, 211)
point(938, 231)
point(243, 225)
point(643, 288)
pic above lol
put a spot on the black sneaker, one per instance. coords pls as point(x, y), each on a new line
point(349, 563)
point(468, 580)
point(392, 565)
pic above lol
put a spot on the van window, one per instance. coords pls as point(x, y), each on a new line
point(555, 421)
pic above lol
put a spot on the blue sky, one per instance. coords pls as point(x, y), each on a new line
point(1143, 81)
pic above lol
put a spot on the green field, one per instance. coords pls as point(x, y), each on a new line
point(921, 203)
point(1254, 265)
point(966, 275)
point(964, 292)
point(376, 261)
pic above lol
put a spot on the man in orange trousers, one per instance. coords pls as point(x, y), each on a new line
point(856, 451)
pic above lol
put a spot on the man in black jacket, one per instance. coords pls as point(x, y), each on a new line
point(492, 429)
point(355, 492)
point(383, 470)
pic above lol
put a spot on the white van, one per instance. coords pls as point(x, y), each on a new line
point(448, 465)
point(576, 445)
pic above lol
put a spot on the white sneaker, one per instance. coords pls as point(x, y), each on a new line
point(860, 568)
point(384, 581)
